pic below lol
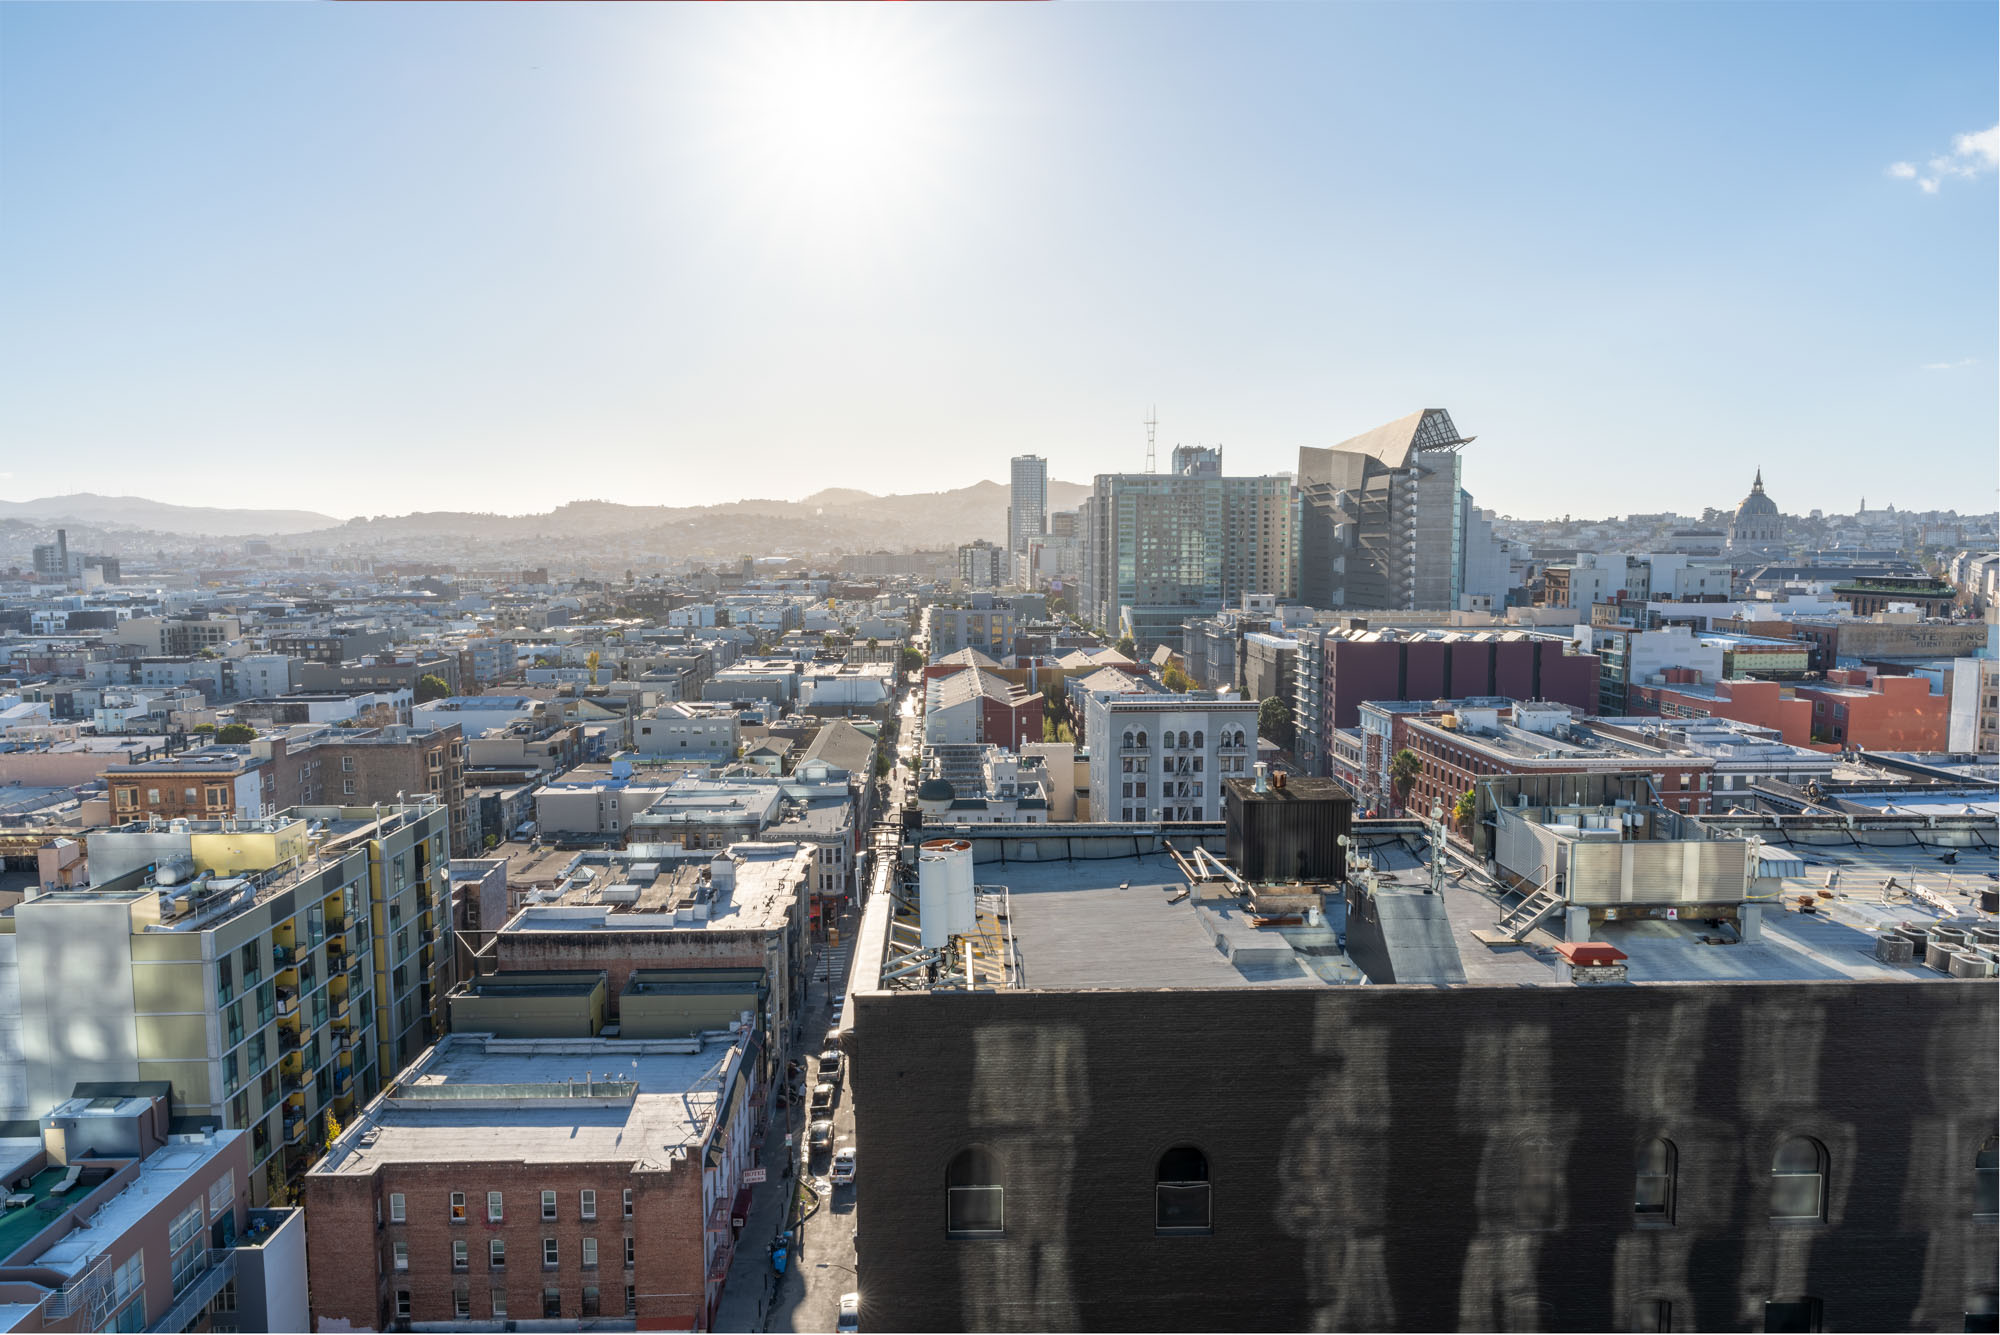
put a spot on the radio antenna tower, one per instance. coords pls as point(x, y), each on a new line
point(1152, 422)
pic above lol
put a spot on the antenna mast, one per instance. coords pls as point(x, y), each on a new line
point(1152, 422)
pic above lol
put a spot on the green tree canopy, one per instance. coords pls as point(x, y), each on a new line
point(430, 686)
point(1274, 720)
point(236, 733)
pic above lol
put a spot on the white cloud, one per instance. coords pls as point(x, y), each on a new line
point(1971, 155)
point(1958, 365)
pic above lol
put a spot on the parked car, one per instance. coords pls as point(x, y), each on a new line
point(843, 1166)
point(822, 1097)
point(850, 1313)
point(832, 1038)
point(820, 1134)
point(829, 1062)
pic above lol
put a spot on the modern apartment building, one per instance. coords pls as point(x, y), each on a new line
point(117, 1220)
point(1165, 757)
point(1028, 501)
point(1162, 547)
point(572, 1181)
point(267, 971)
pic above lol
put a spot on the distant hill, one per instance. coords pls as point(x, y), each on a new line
point(838, 518)
point(136, 512)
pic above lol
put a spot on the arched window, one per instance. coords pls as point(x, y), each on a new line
point(1986, 1178)
point(1197, 739)
point(1184, 741)
point(1180, 1187)
point(1142, 739)
point(1653, 1188)
point(1167, 739)
point(975, 1199)
point(1128, 739)
point(1798, 1180)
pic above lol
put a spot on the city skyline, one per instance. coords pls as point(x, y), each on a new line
point(708, 252)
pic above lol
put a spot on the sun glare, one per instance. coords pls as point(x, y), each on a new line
point(834, 110)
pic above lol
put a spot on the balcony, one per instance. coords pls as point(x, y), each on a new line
point(343, 1080)
point(288, 1040)
point(218, 1270)
point(339, 1011)
point(288, 1005)
point(283, 957)
point(295, 1130)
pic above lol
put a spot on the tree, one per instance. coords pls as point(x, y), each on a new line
point(1055, 706)
point(1403, 771)
point(1127, 646)
point(1461, 810)
point(911, 660)
point(430, 687)
point(881, 767)
point(1274, 721)
point(1176, 680)
point(236, 734)
point(204, 728)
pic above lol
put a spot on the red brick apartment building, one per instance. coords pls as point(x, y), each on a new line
point(1852, 707)
point(531, 1181)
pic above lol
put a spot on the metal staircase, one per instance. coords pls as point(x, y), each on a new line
point(1527, 915)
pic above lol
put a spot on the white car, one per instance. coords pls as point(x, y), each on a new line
point(850, 1313)
point(843, 1166)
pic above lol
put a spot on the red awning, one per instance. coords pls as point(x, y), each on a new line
point(740, 1212)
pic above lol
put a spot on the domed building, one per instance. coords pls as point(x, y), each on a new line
point(1757, 522)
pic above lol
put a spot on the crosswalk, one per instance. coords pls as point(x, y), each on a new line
point(832, 964)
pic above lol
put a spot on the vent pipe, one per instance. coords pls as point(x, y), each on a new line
point(1262, 783)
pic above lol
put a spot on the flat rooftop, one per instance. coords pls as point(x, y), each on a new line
point(766, 890)
point(475, 1098)
point(1111, 924)
point(163, 1171)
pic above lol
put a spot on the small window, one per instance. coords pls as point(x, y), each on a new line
point(550, 1254)
point(1986, 1178)
point(628, 1202)
point(400, 1252)
point(461, 1258)
point(631, 1300)
point(403, 1303)
point(499, 1302)
point(1181, 1192)
point(457, 1207)
point(396, 1207)
point(496, 1253)
point(628, 1253)
point(590, 1253)
point(590, 1300)
point(589, 1203)
point(548, 1205)
point(1653, 1314)
point(552, 1304)
point(975, 1199)
point(493, 1212)
point(461, 1304)
point(1653, 1190)
point(1798, 1187)
point(1797, 1314)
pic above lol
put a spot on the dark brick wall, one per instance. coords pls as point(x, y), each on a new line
point(1419, 1159)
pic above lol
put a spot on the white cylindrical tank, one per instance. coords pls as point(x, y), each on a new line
point(944, 890)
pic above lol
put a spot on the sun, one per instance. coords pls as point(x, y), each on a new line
point(834, 111)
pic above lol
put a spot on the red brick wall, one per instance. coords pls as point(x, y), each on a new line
point(350, 1256)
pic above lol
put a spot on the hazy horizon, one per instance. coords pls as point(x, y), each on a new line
point(382, 259)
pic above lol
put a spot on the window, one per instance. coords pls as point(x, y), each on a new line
point(461, 1304)
point(550, 1254)
point(1181, 1191)
point(589, 1300)
point(185, 1225)
point(1798, 1189)
point(628, 1253)
point(496, 1254)
point(548, 1205)
point(1653, 1190)
point(222, 1194)
point(346, 762)
point(628, 1202)
point(1986, 1178)
point(588, 1200)
point(396, 1207)
point(401, 1252)
point(460, 1255)
point(590, 1253)
point(975, 1200)
point(1653, 1314)
point(403, 1303)
point(631, 1300)
point(552, 1304)
point(1796, 1314)
point(499, 1302)
point(493, 1212)
point(457, 1207)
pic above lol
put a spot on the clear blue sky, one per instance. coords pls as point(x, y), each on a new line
point(379, 258)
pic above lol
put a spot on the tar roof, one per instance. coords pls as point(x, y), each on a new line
point(475, 1098)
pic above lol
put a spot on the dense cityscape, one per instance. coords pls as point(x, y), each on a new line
point(999, 668)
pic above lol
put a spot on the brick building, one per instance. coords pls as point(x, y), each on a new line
point(1472, 740)
point(977, 706)
point(571, 1181)
point(359, 766)
point(1855, 707)
point(1339, 669)
point(209, 783)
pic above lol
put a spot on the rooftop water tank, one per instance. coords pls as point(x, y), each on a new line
point(944, 891)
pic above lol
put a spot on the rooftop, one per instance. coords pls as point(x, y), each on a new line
point(162, 1172)
point(767, 879)
point(477, 1098)
point(218, 759)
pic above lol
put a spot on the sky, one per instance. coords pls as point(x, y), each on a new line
point(369, 259)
